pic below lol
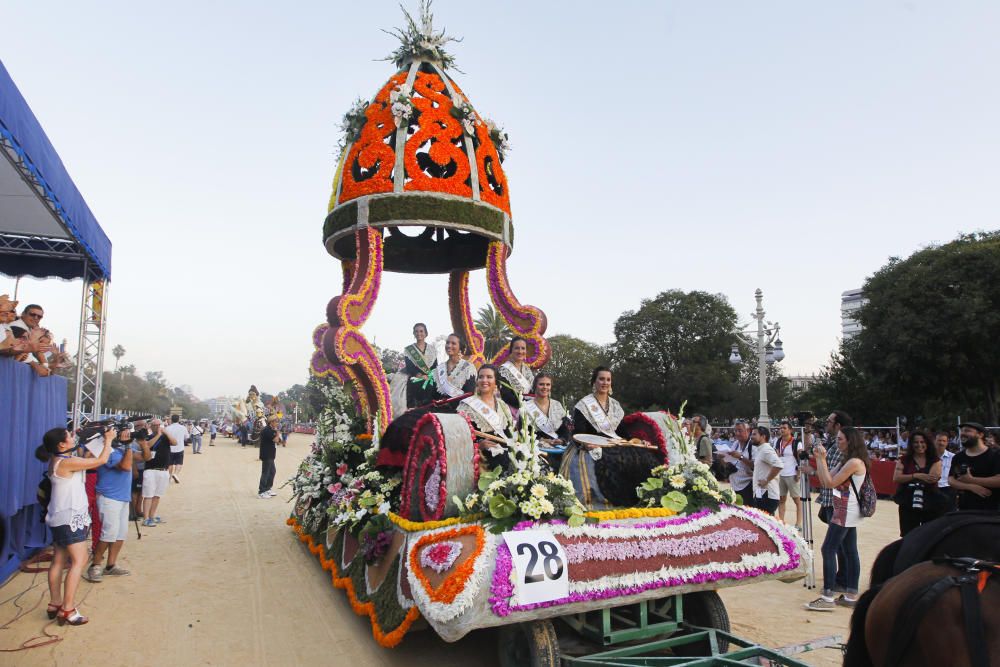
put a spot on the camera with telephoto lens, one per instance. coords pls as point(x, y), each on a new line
point(97, 429)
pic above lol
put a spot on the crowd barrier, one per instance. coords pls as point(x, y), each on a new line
point(29, 406)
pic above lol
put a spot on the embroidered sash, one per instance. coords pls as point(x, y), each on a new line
point(444, 382)
point(419, 358)
point(541, 420)
point(521, 384)
point(597, 417)
point(491, 416)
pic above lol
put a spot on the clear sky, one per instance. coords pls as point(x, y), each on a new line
point(720, 146)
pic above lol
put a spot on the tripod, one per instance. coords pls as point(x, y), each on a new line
point(806, 527)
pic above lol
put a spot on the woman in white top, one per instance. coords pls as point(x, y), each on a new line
point(546, 413)
point(68, 518)
point(846, 483)
point(489, 415)
point(456, 376)
point(515, 375)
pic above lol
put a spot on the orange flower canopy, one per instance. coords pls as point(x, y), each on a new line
point(422, 158)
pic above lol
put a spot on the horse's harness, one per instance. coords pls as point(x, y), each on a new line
point(971, 582)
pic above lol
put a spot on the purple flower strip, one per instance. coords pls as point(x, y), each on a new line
point(579, 552)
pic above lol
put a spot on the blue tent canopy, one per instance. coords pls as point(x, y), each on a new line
point(46, 228)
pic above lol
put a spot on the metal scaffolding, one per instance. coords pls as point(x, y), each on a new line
point(90, 355)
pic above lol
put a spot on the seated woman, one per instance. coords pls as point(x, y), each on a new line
point(594, 414)
point(515, 375)
point(546, 413)
point(489, 415)
point(456, 376)
point(420, 359)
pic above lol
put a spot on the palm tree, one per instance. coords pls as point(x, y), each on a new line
point(495, 331)
point(119, 352)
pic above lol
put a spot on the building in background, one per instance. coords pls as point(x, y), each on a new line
point(800, 383)
point(850, 302)
point(219, 406)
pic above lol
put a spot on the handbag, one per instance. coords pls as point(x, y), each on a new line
point(825, 513)
point(866, 504)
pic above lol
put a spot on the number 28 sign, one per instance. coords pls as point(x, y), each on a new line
point(540, 572)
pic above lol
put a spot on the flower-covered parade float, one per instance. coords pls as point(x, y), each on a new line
point(409, 513)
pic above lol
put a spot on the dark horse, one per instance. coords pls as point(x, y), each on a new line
point(912, 612)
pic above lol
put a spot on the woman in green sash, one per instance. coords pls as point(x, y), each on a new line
point(420, 360)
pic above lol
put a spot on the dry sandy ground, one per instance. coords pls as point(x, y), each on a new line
point(224, 582)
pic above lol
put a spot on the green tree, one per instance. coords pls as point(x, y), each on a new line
point(572, 362)
point(494, 330)
point(931, 325)
point(675, 347)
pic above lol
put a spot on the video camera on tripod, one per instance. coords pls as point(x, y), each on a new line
point(97, 429)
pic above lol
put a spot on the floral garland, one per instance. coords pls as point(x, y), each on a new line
point(461, 316)
point(458, 590)
point(527, 321)
point(791, 550)
point(386, 639)
point(689, 485)
point(630, 513)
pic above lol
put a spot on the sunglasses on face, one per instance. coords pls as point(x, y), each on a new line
point(38, 315)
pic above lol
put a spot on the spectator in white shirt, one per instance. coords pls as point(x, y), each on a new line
point(787, 448)
point(766, 468)
point(178, 435)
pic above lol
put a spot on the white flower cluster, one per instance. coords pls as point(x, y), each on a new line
point(499, 136)
point(401, 104)
point(466, 114)
point(361, 492)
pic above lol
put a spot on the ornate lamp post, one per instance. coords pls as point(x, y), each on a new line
point(769, 350)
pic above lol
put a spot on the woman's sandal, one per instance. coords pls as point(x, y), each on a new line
point(53, 610)
point(71, 616)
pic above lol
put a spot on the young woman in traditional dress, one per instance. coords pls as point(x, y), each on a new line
point(490, 416)
point(456, 376)
point(546, 413)
point(420, 360)
point(594, 414)
point(515, 375)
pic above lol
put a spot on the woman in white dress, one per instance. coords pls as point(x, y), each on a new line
point(546, 413)
point(489, 415)
point(456, 376)
point(516, 376)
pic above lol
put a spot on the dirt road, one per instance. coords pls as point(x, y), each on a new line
point(224, 582)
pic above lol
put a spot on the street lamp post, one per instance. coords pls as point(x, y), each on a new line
point(769, 350)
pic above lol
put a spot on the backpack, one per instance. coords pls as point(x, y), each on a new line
point(867, 498)
point(44, 494)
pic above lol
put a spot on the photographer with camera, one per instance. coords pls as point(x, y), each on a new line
point(156, 477)
point(766, 468)
point(741, 480)
point(834, 424)
point(114, 484)
point(975, 471)
point(917, 474)
point(68, 518)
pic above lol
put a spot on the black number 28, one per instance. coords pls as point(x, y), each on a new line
point(551, 562)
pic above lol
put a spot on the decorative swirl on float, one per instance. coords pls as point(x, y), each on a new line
point(528, 322)
point(444, 166)
point(461, 316)
point(370, 160)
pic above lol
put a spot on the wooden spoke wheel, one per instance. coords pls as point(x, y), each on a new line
point(531, 644)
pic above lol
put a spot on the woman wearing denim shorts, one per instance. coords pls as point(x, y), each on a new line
point(68, 518)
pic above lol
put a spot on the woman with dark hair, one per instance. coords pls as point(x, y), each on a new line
point(917, 474)
point(594, 414)
point(68, 517)
point(846, 482)
point(456, 376)
point(546, 413)
point(419, 359)
point(516, 376)
point(490, 416)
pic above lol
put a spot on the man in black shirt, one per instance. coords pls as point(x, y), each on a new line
point(268, 441)
point(155, 478)
point(975, 471)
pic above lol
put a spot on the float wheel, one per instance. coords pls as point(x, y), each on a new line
point(531, 644)
point(707, 610)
